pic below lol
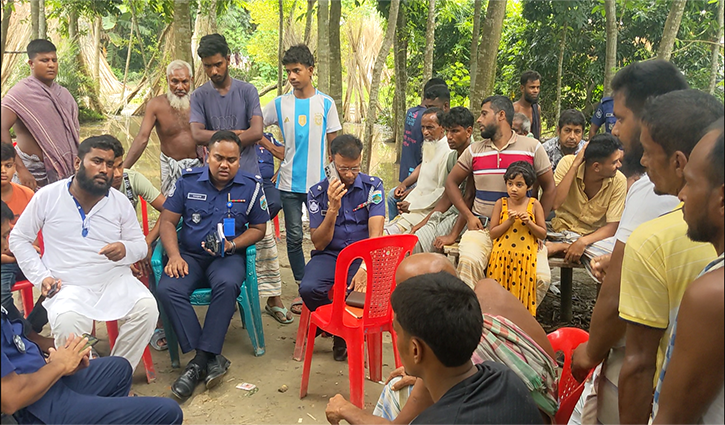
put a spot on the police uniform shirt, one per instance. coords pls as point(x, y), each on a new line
point(203, 206)
point(364, 199)
point(19, 354)
point(604, 115)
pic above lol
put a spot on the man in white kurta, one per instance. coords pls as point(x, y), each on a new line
point(432, 175)
point(92, 287)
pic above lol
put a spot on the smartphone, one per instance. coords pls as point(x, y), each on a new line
point(53, 289)
point(331, 172)
point(92, 340)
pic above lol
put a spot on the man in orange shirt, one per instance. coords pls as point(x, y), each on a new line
point(17, 197)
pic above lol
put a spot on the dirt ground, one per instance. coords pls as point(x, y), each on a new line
point(226, 404)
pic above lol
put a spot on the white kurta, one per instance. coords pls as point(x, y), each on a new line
point(92, 285)
point(432, 178)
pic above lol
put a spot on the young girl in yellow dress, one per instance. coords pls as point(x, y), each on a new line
point(517, 224)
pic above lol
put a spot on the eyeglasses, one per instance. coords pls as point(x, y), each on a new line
point(347, 169)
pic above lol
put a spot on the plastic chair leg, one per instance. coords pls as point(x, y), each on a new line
point(394, 337)
point(311, 332)
point(245, 312)
point(276, 228)
point(255, 313)
point(356, 370)
point(148, 363)
point(112, 329)
point(26, 295)
point(375, 356)
point(302, 334)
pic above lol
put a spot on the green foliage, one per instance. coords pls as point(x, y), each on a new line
point(79, 84)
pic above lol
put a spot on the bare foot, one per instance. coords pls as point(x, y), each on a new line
point(556, 248)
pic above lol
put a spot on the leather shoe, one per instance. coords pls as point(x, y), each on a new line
point(185, 384)
point(339, 349)
point(216, 369)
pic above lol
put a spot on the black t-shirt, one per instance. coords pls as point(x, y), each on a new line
point(494, 395)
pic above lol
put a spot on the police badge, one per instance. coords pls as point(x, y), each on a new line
point(196, 218)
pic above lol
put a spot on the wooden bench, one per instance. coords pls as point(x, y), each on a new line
point(566, 276)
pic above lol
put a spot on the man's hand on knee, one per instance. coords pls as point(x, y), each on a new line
point(72, 356)
point(176, 267)
point(404, 381)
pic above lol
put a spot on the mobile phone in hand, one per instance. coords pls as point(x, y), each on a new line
point(331, 172)
point(92, 340)
point(53, 289)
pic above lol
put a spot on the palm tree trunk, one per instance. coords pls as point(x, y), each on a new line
point(335, 56)
point(610, 60)
point(372, 112)
point(400, 55)
point(715, 64)
point(280, 47)
point(672, 26)
point(42, 24)
point(308, 21)
point(475, 37)
point(323, 46)
point(429, 41)
point(5, 25)
point(559, 69)
point(34, 10)
point(488, 51)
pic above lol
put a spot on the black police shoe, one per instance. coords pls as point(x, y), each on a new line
point(184, 385)
point(339, 349)
point(216, 369)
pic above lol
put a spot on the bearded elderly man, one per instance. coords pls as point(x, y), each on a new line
point(169, 115)
point(91, 238)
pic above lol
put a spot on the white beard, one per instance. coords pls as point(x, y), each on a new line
point(178, 103)
point(428, 149)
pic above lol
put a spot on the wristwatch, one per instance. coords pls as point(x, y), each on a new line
point(233, 249)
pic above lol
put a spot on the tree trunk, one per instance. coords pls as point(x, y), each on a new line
point(42, 24)
point(182, 31)
point(488, 51)
point(73, 26)
point(323, 46)
point(34, 11)
point(429, 41)
point(672, 26)
point(715, 64)
point(560, 69)
point(308, 21)
point(610, 60)
point(375, 85)
point(98, 26)
point(336, 57)
point(280, 48)
point(475, 37)
point(400, 55)
point(7, 13)
point(125, 72)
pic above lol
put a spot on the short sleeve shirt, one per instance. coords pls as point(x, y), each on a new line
point(365, 199)
point(203, 206)
point(553, 150)
point(604, 115)
point(14, 343)
point(305, 124)
point(488, 165)
point(136, 184)
point(659, 263)
point(582, 215)
point(233, 111)
point(412, 154)
point(19, 200)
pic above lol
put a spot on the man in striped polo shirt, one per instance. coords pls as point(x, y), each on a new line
point(487, 161)
point(308, 120)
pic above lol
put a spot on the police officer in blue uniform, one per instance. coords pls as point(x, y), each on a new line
point(604, 115)
point(68, 389)
point(206, 197)
point(342, 211)
point(267, 149)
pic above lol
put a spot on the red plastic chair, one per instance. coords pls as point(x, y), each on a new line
point(276, 227)
point(382, 255)
point(26, 295)
point(148, 362)
point(565, 340)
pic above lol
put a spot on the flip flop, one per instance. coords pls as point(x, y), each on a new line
point(296, 302)
point(274, 310)
point(158, 335)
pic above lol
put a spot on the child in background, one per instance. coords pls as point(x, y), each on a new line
point(517, 223)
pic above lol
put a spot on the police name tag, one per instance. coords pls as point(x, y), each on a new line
point(196, 196)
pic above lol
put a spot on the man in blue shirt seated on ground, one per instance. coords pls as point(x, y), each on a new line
point(218, 193)
point(343, 210)
point(68, 388)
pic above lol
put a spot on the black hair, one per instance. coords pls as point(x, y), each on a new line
point(601, 147)
point(501, 103)
point(347, 146)
point(677, 120)
point(104, 142)
point(529, 75)
point(7, 151)
point(435, 81)
point(523, 169)
point(716, 172)
point(439, 113)
point(211, 44)
point(456, 116)
point(39, 45)
point(640, 80)
point(6, 214)
point(443, 311)
point(224, 136)
point(572, 117)
point(437, 92)
point(299, 53)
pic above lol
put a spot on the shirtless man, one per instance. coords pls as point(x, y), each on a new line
point(528, 103)
point(169, 114)
point(497, 303)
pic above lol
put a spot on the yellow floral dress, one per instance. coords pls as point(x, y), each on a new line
point(513, 258)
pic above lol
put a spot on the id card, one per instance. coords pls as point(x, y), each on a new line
point(229, 227)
